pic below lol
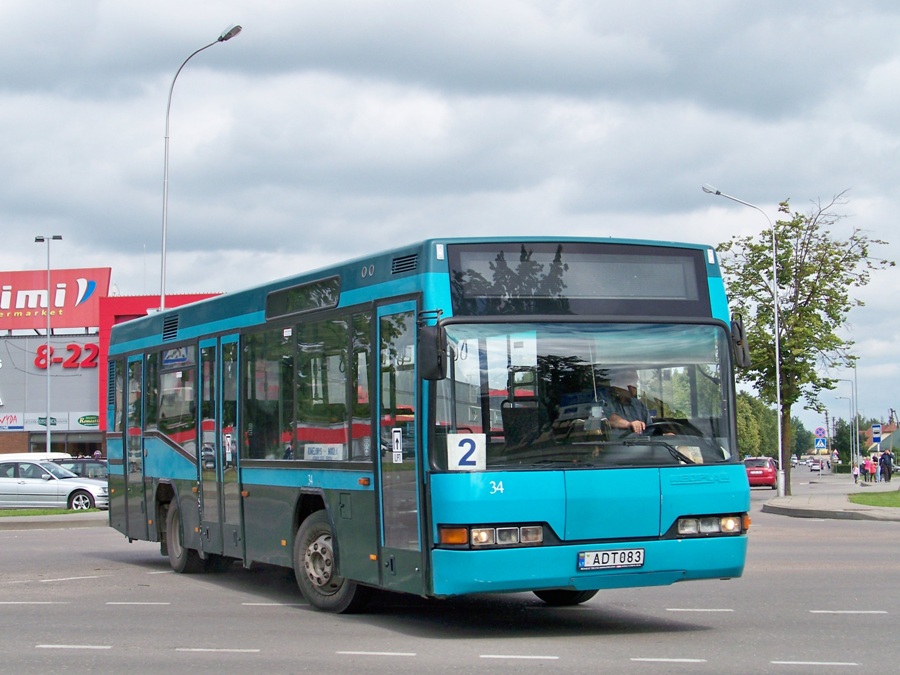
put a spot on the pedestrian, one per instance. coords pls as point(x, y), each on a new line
point(886, 464)
point(877, 461)
point(855, 473)
point(867, 469)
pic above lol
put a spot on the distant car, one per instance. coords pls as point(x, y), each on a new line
point(85, 467)
point(815, 465)
point(33, 483)
point(761, 471)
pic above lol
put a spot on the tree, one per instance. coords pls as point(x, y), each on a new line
point(802, 440)
point(747, 427)
point(816, 273)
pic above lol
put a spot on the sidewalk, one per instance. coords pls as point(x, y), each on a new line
point(827, 496)
point(69, 520)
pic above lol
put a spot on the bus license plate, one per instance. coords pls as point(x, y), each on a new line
point(615, 559)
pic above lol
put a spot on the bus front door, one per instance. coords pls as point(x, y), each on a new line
point(135, 506)
point(401, 550)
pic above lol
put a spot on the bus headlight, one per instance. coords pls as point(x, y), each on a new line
point(457, 536)
point(712, 525)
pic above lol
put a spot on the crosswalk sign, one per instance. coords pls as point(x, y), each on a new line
point(820, 444)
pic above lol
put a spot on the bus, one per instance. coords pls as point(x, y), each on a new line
point(435, 420)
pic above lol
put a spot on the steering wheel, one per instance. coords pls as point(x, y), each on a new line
point(671, 427)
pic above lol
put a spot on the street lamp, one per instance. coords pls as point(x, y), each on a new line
point(854, 437)
point(226, 35)
point(713, 191)
point(46, 239)
point(850, 425)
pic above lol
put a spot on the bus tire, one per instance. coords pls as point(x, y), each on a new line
point(314, 569)
point(183, 560)
point(563, 598)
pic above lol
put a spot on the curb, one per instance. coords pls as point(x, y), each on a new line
point(100, 519)
point(833, 514)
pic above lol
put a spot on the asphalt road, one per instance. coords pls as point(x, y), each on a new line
point(813, 591)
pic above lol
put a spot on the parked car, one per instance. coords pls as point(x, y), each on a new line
point(761, 471)
point(34, 483)
point(85, 467)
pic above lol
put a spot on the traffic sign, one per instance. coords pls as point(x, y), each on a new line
point(820, 432)
point(876, 433)
point(820, 444)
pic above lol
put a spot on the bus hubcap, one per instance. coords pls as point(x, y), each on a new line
point(319, 561)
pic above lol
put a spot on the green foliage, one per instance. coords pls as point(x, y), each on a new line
point(757, 434)
point(747, 427)
point(816, 275)
point(802, 439)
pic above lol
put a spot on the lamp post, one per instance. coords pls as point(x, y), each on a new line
point(849, 400)
point(226, 35)
point(713, 191)
point(46, 239)
point(854, 437)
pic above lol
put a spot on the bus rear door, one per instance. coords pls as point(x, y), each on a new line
point(210, 456)
point(135, 506)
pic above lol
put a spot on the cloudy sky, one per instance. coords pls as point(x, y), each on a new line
point(331, 128)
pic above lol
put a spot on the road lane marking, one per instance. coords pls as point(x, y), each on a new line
point(217, 651)
point(376, 653)
point(73, 646)
point(663, 660)
point(138, 603)
point(847, 611)
point(518, 656)
point(813, 663)
point(32, 602)
point(97, 576)
point(696, 609)
point(272, 604)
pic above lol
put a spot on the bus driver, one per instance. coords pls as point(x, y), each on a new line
point(624, 409)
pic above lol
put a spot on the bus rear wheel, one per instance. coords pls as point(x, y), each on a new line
point(314, 569)
point(183, 560)
point(563, 598)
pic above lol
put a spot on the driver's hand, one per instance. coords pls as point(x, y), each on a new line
point(637, 426)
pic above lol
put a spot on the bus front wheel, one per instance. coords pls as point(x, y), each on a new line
point(563, 598)
point(183, 560)
point(314, 568)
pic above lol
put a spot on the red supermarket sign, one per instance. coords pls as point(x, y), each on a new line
point(73, 300)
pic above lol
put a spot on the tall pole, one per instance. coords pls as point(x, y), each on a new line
point(41, 239)
point(849, 400)
point(226, 35)
point(854, 437)
point(713, 191)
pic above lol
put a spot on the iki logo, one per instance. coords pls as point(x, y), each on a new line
point(35, 298)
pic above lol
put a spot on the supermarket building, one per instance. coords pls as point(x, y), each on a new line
point(81, 315)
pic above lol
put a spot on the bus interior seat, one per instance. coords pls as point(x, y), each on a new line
point(521, 424)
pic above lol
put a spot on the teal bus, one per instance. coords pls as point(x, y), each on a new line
point(438, 420)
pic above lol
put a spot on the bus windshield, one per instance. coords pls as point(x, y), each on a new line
point(585, 395)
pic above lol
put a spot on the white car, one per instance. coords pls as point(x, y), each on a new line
point(37, 483)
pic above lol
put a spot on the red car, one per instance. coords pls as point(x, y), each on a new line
point(761, 471)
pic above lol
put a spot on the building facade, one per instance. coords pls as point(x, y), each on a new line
point(60, 383)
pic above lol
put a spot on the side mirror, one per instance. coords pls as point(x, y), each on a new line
point(739, 343)
point(431, 348)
